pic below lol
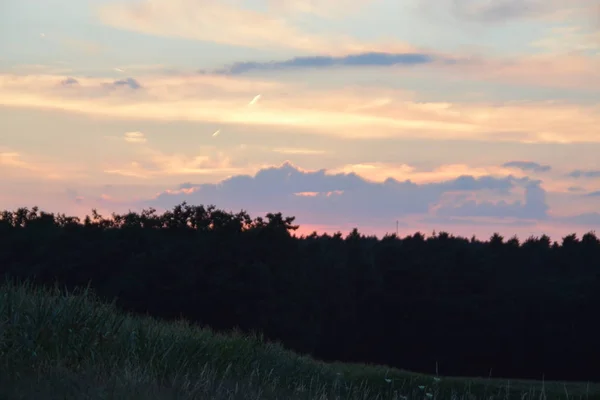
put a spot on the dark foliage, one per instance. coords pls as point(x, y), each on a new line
point(519, 310)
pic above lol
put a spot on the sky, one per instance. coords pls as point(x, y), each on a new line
point(465, 116)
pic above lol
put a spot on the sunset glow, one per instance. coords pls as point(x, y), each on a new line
point(463, 116)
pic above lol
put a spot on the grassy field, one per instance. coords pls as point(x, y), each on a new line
point(55, 346)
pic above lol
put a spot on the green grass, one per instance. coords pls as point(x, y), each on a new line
point(55, 346)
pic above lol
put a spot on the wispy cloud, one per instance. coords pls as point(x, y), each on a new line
point(254, 100)
point(157, 164)
point(128, 82)
point(348, 112)
point(69, 81)
point(353, 60)
point(501, 10)
point(153, 163)
point(226, 23)
point(77, 44)
point(135, 137)
point(379, 172)
point(569, 71)
point(497, 11)
point(527, 166)
point(33, 167)
point(578, 173)
point(296, 150)
point(14, 159)
point(572, 38)
point(566, 70)
point(54, 68)
point(323, 9)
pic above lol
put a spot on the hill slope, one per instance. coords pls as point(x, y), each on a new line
point(57, 345)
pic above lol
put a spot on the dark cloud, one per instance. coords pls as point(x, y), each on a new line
point(129, 82)
point(69, 81)
point(578, 173)
point(320, 198)
point(588, 219)
point(575, 189)
point(594, 194)
point(363, 59)
point(527, 166)
point(534, 207)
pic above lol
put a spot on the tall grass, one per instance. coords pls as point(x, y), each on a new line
point(57, 345)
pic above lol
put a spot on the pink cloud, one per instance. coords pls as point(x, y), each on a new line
point(15, 165)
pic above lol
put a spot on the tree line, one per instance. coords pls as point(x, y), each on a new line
point(468, 307)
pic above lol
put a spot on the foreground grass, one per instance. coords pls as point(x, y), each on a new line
point(72, 346)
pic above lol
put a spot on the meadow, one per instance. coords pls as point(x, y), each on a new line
point(56, 344)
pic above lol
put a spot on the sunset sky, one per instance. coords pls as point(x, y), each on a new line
point(467, 116)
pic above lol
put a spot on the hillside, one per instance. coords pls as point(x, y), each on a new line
point(57, 345)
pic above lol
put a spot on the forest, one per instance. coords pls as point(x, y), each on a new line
point(439, 303)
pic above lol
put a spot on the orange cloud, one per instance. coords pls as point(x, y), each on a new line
point(351, 112)
point(156, 163)
point(379, 172)
point(13, 159)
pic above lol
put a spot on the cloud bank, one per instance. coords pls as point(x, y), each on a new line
point(325, 200)
point(329, 198)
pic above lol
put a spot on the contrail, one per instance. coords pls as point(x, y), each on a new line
point(254, 100)
point(216, 132)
